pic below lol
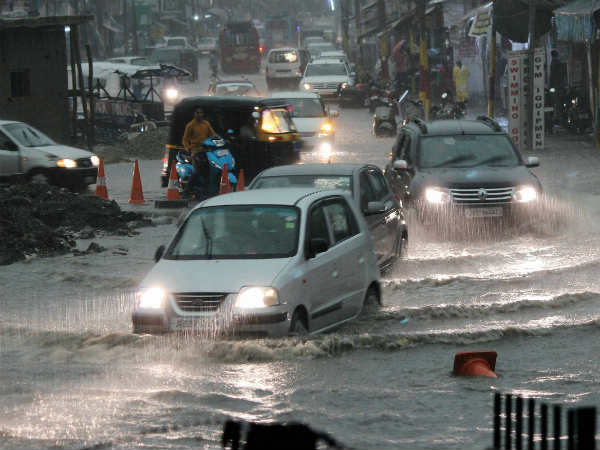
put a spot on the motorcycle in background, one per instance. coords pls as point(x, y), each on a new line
point(447, 109)
point(577, 116)
point(384, 121)
point(410, 108)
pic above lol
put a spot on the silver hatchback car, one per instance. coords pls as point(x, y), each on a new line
point(263, 262)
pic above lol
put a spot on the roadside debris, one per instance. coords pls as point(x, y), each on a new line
point(148, 145)
point(46, 221)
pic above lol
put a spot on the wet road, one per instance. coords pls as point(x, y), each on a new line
point(75, 377)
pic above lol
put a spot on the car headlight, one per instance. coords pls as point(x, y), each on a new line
point(153, 298)
point(95, 160)
point(525, 194)
point(171, 93)
point(327, 127)
point(256, 297)
point(437, 195)
point(306, 86)
point(66, 163)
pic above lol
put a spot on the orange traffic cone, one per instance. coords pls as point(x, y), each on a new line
point(240, 183)
point(224, 187)
point(482, 363)
point(137, 196)
point(173, 190)
point(101, 190)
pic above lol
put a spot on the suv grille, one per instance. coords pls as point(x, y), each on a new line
point(325, 85)
point(199, 302)
point(482, 195)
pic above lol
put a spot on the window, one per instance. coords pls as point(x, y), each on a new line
point(341, 220)
point(379, 186)
point(317, 225)
point(20, 84)
point(6, 143)
point(367, 194)
point(405, 151)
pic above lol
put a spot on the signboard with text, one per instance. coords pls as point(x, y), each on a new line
point(519, 127)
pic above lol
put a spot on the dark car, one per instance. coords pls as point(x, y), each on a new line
point(371, 193)
point(452, 169)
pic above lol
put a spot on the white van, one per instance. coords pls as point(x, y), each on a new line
point(27, 153)
point(285, 66)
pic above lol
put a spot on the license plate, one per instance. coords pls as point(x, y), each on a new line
point(483, 212)
point(192, 324)
point(89, 180)
point(222, 153)
point(583, 116)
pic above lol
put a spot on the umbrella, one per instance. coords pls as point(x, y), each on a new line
point(165, 70)
point(397, 48)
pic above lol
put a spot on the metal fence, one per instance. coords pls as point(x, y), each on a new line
point(579, 433)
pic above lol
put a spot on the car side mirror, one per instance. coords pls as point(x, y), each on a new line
point(334, 113)
point(316, 246)
point(159, 253)
point(374, 208)
point(532, 161)
point(400, 164)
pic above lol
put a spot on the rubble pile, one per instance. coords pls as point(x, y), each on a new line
point(148, 145)
point(45, 220)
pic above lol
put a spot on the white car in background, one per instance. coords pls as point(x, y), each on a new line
point(207, 44)
point(133, 60)
point(312, 118)
point(325, 76)
point(265, 262)
point(284, 67)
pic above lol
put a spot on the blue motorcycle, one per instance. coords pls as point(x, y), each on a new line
point(218, 155)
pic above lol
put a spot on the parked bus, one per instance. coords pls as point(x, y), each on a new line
point(238, 45)
point(280, 31)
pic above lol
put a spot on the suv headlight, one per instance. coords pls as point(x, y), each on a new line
point(66, 163)
point(306, 86)
point(256, 297)
point(95, 160)
point(436, 195)
point(327, 127)
point(525, 194)
point(344, 85)
point(152, 298)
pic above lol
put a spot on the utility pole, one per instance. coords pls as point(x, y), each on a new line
point(423, 63)
point(134, 28)
point(492, 71)
point(125, 28)
point(531, 58)
point(358, 32)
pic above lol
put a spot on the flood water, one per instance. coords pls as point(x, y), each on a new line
point(74, 377)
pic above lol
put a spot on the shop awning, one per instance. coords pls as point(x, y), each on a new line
point(575, 21)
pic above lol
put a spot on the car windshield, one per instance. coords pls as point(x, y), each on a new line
point(315, 70)
point(28, 136)
point(165, 56)
point(467, 151)
point(235, 89)
point(327, 182)
point(277, 121)
point(238, 232)
point(306, 107)
point(176, 42)
point(141, 62)
point(283, 56)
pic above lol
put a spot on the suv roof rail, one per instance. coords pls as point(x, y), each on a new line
point(420, 123)
point(490, 123)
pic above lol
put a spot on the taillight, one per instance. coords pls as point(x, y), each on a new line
point(300, 70)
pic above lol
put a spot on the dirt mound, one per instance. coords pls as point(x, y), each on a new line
point(46, 220)
point(148, 145)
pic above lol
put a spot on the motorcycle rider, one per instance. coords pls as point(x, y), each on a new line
point(460, 74)
point(213, 63)
point(196, 132)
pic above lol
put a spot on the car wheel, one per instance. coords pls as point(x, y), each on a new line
point(371, 300)
point(299, 324)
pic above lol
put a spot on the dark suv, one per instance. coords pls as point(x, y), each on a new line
point(462, 169)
